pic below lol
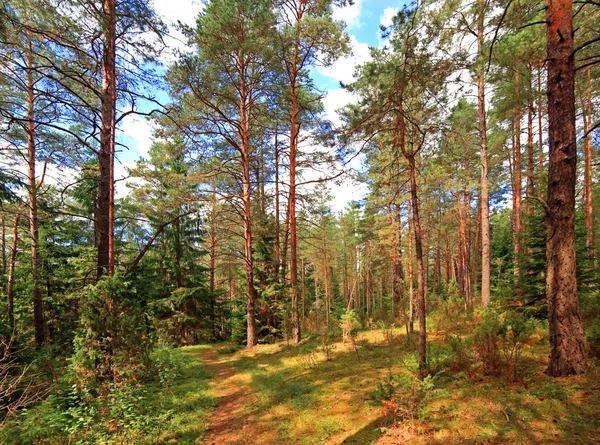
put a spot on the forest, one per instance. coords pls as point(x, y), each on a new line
point(213, 290)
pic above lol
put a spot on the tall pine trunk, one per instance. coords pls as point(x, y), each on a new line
point(105, 204)
point(38, 307)
point(484, 201)
point(567, 350)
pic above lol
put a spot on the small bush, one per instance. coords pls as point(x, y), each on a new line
point(404, 398)
point(499, 341)
point(168, 363)
point(349, 324)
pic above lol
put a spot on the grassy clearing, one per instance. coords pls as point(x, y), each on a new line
point(299, 397)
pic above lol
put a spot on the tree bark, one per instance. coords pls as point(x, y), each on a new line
point(484, 188)
point(420, 269)
point(105, 204)
point(567, 349)
point(38, 305)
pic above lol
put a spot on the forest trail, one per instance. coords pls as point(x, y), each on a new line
point(232, 421)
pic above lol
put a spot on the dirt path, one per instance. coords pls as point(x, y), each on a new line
point(233, 421)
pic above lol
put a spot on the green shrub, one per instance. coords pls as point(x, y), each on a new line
point(499, 341)
point(404, 397)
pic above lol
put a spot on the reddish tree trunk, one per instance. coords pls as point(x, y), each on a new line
point(589, 198)
point(38, 305)
point(567, 350)
point(105, 204)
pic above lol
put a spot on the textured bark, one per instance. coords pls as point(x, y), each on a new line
point(567, 354)
point(105, 203)
point(484, 201)
point(38, 305)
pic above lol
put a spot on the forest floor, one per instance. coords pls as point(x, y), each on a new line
point(280, 394)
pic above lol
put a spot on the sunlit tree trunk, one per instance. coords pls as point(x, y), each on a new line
point(567, 350)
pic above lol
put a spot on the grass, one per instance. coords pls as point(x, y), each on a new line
point(299, 397)
point(280, 394)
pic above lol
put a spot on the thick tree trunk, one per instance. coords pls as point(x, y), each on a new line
point(105, 204)
point(484, 201)
point(38, 305)
point(567, 350)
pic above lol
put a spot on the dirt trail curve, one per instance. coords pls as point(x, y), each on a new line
point(232, 422)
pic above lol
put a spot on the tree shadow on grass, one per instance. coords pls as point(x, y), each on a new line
point(370, 432)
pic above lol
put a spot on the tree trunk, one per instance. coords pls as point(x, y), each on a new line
point(277, 247)
point(294, 132)
point(540, 111)
point(484, 188)
point(105, 204)
point(38, 305)
point(11, 270)
point(589, 198)
point(567, 349)
point(517, 217)
point(530, 193)
point(420, 269)
point(251, 336)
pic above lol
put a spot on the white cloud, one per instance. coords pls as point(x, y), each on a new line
point(387, 16)
point(343, 68)
point(137, 137)
point(335, 100)
point(173, 11)
point(348, 14)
